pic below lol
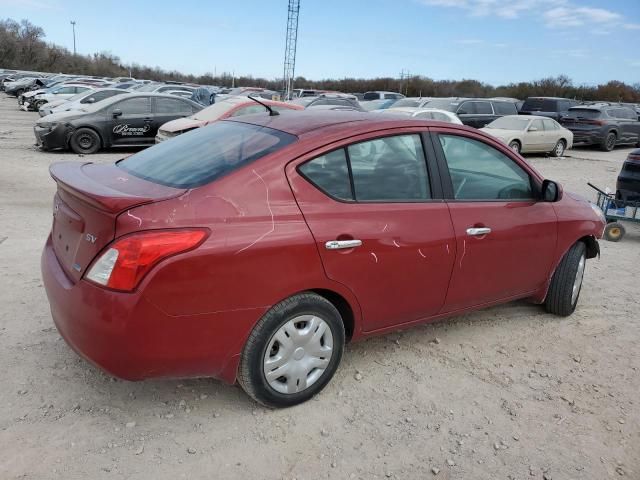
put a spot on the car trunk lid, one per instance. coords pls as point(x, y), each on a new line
point(88, 200)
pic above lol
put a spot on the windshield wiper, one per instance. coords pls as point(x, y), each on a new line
point(272, 112)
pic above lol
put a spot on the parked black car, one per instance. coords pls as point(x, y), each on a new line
point(628, 184)
point(552, 107)
point(124, 120)
point(603, 125)
point(475, 112)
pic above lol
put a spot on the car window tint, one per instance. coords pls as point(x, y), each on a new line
point(483, 108)
point(172, 106)
point(480, 172)
point(205, 154)
point(133, 106)
point(550, 125)
point(330, 174)
point(249, 110)
point(389, 169)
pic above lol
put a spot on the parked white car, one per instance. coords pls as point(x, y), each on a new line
point(422, 114)
point(531, 133)
point(65, 90)
point(79, 100)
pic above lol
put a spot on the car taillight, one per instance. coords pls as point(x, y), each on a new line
point(633, 158)
point(595, 122)
point(127, 260)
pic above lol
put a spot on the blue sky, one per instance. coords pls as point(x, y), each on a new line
point(495, 41)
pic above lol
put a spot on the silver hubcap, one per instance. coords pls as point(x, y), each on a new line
point(298, 354)
point(578, 281)
point(559, 149)
point(514, 147)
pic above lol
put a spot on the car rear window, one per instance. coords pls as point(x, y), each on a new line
point(371, 96)
point(205, 154)
point(585, 113)
point(540, 105)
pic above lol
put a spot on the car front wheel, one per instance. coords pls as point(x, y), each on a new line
point(558, 150)
point(609, 142)
point(515, 146)
point(293, 351)
point(566, 282)
point(85, 141)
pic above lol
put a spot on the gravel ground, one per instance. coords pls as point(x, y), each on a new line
point(504, 393)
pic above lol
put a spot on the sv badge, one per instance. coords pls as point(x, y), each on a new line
point(90, 238)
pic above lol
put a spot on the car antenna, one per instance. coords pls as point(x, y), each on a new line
point(272, 112)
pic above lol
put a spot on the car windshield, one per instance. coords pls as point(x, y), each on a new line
point(509, 123)
point(214, 112)
point(205, 154)
point(407, 102)
point(444, 104)
point(80, 95)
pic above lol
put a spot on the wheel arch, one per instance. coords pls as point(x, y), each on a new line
point(89, 127)
point(343, 306)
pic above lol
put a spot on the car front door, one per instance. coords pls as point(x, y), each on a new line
point(131, 122)
point(505, 236)
point(374, 209)
point(535, 139)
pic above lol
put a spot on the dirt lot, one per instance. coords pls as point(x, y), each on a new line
point(505, 393)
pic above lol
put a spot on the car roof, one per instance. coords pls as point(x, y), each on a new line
point(304, 122)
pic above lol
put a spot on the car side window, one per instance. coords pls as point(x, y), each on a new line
point(550, 125)
point(134, 106)
point(466, 108)
point(480, 172)
point(330, 174)
point(483, 108)
point(537, 124)
point(172, 106)
point(505, 108)
point(389, 169)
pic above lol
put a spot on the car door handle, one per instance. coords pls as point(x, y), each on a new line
point(340, 244)
point(478, 231)
point(148, 119)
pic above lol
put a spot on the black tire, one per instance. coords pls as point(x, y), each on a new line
point(559, 297)
point(609, 142)
point(38, 104)
point(19, 92)
point(251, 374)
point(614, 231)
point(515, 146)
point(85, 141)
point(559, 149)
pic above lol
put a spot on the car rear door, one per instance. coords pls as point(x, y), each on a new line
point(505, 237)
point(381, 227)
point(167, 109)
point(536, 139)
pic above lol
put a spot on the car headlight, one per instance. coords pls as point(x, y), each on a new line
point(598, 211)
point(49, 125)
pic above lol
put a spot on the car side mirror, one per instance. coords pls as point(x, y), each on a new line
point(551, 191)
point(533, 129)
point(116, 113)
point(91, 100)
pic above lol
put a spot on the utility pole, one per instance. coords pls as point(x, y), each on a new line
point(290, 47)
point(73, 26)
point(404, 74)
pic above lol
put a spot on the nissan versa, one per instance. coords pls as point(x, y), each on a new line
point(253, 249)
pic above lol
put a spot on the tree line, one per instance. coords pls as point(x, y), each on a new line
point(22, 47)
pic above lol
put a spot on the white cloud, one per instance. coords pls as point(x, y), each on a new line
point(554, 13)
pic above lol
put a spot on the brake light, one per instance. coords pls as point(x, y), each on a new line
point(633, 158)
point(123, 265)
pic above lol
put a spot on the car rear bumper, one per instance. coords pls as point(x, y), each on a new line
point(128, 337)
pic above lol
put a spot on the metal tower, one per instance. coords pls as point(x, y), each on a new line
point(290, 48)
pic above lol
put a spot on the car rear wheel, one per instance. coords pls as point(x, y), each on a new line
point(515, 146)
point(85, 141)
point(614, 232)
point(558, 150)
point(293, 351)
point(609, 142)
point(566, 282)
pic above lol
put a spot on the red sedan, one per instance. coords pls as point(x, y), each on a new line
point(253, 249)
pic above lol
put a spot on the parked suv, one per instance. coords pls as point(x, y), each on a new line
point(603, 125)
point(628, 184)
point(475, 112)
point(552, 107)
